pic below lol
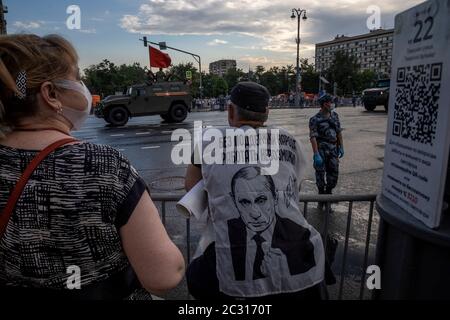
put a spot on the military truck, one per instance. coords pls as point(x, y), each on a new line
point(171, 100)
point(377, 96)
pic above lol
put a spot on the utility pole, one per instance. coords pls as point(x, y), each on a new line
point(3, 10)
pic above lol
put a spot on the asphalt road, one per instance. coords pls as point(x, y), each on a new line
point(146, 141)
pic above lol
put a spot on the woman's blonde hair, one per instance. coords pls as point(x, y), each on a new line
point(41, 59)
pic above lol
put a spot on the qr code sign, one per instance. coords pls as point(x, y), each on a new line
point(417, 102)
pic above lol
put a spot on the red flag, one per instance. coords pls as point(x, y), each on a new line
point(159, 59)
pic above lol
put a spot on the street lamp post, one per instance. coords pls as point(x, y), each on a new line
point(298, 13)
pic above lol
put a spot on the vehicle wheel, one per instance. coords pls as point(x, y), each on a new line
point(118, 116)
point(177, 113)
point(369, 107)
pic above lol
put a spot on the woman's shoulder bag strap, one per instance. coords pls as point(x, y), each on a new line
point(18, 189)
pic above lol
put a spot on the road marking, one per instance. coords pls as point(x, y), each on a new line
point(142, 133)
point(121, 150)
point(118, 135)
point(151, 147)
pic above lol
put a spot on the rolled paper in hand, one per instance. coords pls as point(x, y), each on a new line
point(194, 203)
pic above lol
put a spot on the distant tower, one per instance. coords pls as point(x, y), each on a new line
point(3, 10)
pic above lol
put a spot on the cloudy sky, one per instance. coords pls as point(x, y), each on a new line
point(254, 32)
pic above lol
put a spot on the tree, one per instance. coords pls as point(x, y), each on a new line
point(365, 79)
point(106, 78)
point(220, 86)
point(258, 73)
point(283, 80)
point(310, 78)
point(270, 80)
point(233, 76)
point(214, 86)
point(344, 71)
point(178, 72)
point(291, 78)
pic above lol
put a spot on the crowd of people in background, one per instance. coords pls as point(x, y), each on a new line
point(279, 101)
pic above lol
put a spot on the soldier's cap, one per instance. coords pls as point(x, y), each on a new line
point(324, 98)
point(250, 96)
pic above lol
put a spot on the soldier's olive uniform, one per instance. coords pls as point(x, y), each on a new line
point(325, 130)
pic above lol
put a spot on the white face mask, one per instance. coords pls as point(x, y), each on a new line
point(76, 117)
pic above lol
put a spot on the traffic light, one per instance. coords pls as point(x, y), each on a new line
point(145, 42)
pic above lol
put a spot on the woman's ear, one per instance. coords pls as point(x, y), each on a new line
point(49, 96)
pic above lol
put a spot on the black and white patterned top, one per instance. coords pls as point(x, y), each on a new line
point(69, 214)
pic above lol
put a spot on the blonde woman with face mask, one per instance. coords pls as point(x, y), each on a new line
point(73, 215)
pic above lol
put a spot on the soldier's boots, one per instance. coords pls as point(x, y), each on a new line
point(321, 205)
point(330, 192)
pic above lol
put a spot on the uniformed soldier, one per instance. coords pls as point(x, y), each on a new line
point(326, 140)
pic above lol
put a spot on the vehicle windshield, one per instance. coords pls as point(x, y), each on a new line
point(383, 83)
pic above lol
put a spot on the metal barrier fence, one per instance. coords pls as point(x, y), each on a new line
point(305, 200)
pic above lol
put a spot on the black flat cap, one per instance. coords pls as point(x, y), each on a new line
point(251, 96)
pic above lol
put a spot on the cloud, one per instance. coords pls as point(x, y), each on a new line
point(28, 25)
point(216, 42)
point(267, 21)
point(88, 31)
point(265, 61)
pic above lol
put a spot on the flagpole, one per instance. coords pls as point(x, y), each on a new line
point(195, 56)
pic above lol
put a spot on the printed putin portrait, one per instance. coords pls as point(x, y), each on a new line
point(263, 243)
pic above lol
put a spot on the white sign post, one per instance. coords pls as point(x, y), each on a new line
point(418, 133)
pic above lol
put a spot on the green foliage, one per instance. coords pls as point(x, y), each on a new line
point(365, 79)
point(106, 78)
point(343, 71)
point(270, 80)
point(310, 78)
point(214, 86)
point(233, 76)
point(178, 72)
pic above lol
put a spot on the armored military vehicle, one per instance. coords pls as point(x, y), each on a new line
point(171, 100)
point(377, 96)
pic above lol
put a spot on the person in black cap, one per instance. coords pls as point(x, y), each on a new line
point(327, 144)
point(248, 106)
point(257, 244)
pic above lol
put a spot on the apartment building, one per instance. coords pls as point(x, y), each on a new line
point(221, 67)
point(373, 51)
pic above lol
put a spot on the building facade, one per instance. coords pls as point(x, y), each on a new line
point(221, 67)
point(373, 51)
point(3, 10)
